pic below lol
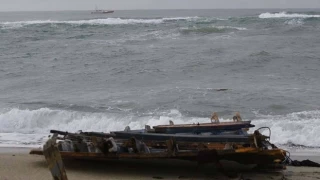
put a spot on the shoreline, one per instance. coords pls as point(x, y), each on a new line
point(17, 163)
point(19, 150)
point(303, 155)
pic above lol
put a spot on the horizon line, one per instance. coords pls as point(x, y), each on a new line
point(153, 9)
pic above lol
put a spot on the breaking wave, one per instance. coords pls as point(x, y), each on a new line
point(44, 119)
point(181, 18)
point(300, 128)
point(210, 29)
point(31, 127)
point(286, 15)
point(294, 22)
point(107, 21)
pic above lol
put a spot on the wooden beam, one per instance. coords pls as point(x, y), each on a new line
point(54, 160)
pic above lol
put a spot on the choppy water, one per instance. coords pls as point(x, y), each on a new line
point(73, 70)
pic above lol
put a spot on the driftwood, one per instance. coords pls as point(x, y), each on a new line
point(54, 160)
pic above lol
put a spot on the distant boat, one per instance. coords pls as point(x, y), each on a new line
point(100, 11)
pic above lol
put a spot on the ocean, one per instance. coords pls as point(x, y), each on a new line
point(72, 70)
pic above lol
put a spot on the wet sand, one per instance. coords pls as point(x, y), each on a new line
point(17, 164)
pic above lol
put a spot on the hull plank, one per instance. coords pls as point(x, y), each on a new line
point(182, 138)
point(243, 156)
point(54, 159)
point(214, 128)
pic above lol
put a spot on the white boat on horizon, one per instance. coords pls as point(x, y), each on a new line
point(100, 11)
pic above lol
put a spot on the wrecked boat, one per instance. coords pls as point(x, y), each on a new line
point(202, 143)
point(137, 144)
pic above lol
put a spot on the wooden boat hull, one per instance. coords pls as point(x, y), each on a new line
point(181, 138)
point(215, 128)
point(138, 144)
point(244, 156)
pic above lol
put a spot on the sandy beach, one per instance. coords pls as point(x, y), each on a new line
point(17, 164)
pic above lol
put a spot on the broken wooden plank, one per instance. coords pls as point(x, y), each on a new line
point(54, 160)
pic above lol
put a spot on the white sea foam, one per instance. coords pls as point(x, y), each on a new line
point(31, 127)
point(139, 37)
point(106, 21)
point(41, 120)
point(181, 18)
point(195, 18)
point(286, 15)
point(231, 27)
point(15, 123)
point(302, 128)
point(294, 22)
point(212, 28)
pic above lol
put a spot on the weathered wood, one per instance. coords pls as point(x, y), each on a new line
point(182, 138)
point(243, 155)
point(215, 128)
point(171, 147)
point(54, 160)
point(82, 134)
point(138, 144)
point(163, 145)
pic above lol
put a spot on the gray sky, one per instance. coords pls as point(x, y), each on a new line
point(51, 5)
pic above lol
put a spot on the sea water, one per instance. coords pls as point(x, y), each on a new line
point(72, 70)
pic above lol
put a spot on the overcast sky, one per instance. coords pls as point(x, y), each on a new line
point(51, 5)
